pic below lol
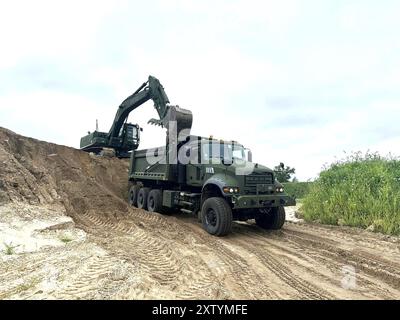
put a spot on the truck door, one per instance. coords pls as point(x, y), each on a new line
point(194, 172)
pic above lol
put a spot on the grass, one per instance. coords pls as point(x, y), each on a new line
point(9, 248)
point(25, 286)
point(359, 191)
point(65, 238)
point(297, 190)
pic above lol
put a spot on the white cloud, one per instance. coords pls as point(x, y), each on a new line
point(47, 115)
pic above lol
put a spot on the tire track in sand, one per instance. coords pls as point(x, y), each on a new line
point(154, 255)
point(306, 290)
point(368, 263)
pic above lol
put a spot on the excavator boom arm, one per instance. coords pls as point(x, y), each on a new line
point(152, 89)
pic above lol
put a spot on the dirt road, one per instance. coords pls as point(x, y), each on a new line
point(74, 237)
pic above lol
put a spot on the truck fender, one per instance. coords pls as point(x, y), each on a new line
point(214, 180)
point(217, 181)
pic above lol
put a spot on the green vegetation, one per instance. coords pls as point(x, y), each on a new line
point(9, 248)
point(29, 284)
point(297, 190)
point(284, 174)
point(25, 286)
point(360, 191)
point(65, 238)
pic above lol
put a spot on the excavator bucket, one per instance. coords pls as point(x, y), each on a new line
point(181, 118)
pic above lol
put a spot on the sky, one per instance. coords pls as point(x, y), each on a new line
point(300, 82)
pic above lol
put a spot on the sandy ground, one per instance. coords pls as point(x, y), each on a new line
point(66, 232)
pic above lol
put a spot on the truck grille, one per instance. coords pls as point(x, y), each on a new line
point(251, 181)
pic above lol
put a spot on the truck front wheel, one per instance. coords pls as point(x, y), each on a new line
point(216, 216)
point(142, 198)
point(272, 220)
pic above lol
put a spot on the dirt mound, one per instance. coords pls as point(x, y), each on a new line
point(43, 173)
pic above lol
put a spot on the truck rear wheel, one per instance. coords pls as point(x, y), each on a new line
point(154, 201)
point(142, 198)
point(216, 216)
point(273, 220)
point(133, 195)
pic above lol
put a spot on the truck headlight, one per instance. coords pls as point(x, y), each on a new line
point(230, 190)
point(280, 189)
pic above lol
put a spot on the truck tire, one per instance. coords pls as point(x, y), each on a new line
point(216, 216)
point(274, 220)
point(142, 198)
point(154, 201)
point(133, 195)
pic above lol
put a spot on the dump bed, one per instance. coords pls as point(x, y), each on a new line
point(150, 164)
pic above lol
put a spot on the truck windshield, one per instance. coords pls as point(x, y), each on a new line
point(229, 152)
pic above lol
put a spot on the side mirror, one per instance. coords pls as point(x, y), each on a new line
point(226, 163)
point(249, 156)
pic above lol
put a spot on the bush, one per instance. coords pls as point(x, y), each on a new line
point(297, 190)
point(361, 191)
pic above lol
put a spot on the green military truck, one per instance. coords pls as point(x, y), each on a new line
point(214, 179)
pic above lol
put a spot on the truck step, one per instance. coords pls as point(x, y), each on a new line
point(192, 195)
point(187, 203)
point(186, 211)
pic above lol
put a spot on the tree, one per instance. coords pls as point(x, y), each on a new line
point(284, 173)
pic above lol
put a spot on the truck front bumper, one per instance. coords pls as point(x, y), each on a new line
point(262, 201)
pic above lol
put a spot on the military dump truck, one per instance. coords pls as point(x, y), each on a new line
point(213, 179)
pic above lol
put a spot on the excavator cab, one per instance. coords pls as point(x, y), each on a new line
point(128, 139)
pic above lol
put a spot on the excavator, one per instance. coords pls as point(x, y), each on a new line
point(124, 137)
